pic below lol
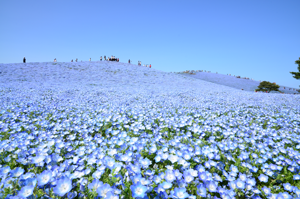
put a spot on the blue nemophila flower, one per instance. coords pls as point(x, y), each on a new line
point(44, 177)
point(201, 190)
point(169, 176)
point(111, 195)
point(232, 184)
point(263, 178)
point(288, 187)
point(159, 189)
point(26, 191)
point(242, 177)
point(157, 158)
point(234, 169)
point(177, 174)
point(284, 195)
point(217, 178)
point(180, 193)
point(296, 177)
point(188, 177)
point(93, 186)
point(138, 190)
point(266, 190)
point(203, 176)
point(173, 158)
point(109, 162)
point(211, 186)
point(240, 184)
point(145, 162)
point(103, 190)
point(157, 179)
point(63, 186)
point(5, 170)
point(166, 185)
point(17, 172)
point(251, 181)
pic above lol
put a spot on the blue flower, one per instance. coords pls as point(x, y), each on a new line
point(145, 162)
point(138, 190)
point(157, 179)
point(188, 177)
point(63, 186)
point(17, 172)
point(240, 184)
point(243, 177)
point(111, 195)
point(232, 184)
point(263, 178)
point(266, 190)
point(211, 186)
point(157, 158)
point(296, 177)
point(251, 181)
point(203, 176)
point(95, 184)
point(288, 186)
point(170, 177)
point(166, 185)
point(201, 190)
point(180, 193)
point(173, 158)
point(26, 191)
point(38, 159)
point(44, 177)
point(103, 190)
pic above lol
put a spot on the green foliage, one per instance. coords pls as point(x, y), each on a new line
point(267, 86)
point(296, 75)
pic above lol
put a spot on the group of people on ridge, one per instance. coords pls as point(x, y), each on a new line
point(112, 58)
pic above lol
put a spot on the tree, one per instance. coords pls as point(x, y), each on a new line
point(297, 74)
point(267, 86)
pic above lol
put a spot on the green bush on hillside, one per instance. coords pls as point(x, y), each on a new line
point(267, 86)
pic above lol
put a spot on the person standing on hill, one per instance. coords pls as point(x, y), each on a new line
point(24, 60)
point(76, 59)
point(101, 58)
point(129, 61)
point(90, 59)
point(150, 66)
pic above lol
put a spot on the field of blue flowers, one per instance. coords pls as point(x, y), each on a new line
point(115, 130)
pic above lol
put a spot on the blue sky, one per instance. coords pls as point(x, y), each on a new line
point(259, 39)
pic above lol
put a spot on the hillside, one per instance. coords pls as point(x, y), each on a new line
point(233, 82)
point(128, 130)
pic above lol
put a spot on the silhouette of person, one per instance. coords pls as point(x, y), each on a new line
point(24, 60)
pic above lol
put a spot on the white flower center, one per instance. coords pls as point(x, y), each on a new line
point(139, 191)
point(64, 187)
point(45, 178)
point(180, 195)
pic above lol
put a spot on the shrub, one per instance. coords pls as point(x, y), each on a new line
point(267, 86)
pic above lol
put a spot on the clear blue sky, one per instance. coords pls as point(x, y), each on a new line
point(259, 39)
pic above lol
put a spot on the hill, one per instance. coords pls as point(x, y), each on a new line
point(234, 82)
point(127, 129)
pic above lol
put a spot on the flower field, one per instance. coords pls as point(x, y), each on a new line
point(115, 130)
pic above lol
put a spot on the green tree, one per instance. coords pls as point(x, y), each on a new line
point(297, 74)
point(267, 86)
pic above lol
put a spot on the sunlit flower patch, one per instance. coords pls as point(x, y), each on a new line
point(194, 140)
